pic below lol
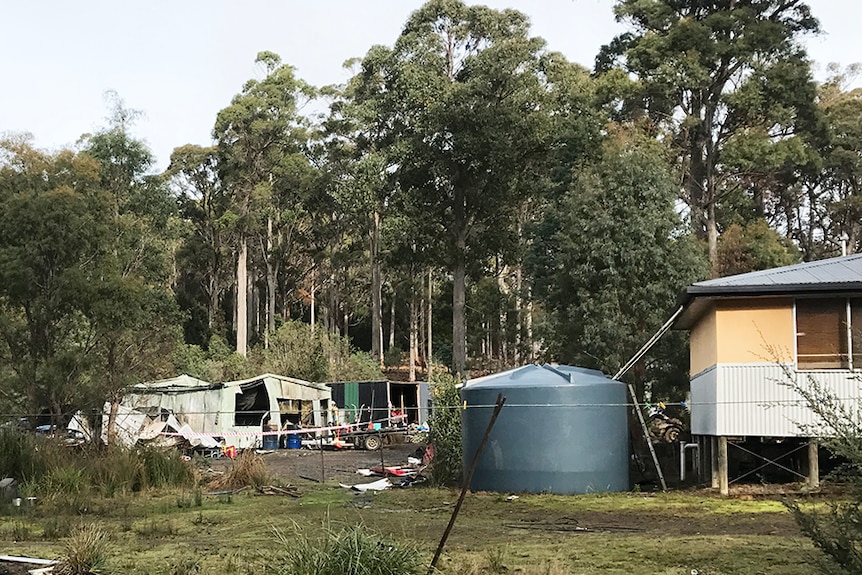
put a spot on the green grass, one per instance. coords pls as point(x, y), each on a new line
point(664, 534)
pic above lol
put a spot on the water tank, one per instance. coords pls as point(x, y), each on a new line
point(563, 430)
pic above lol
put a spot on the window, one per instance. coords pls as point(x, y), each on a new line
point(829, 333)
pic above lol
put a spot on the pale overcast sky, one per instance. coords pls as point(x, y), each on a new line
point(180, 62)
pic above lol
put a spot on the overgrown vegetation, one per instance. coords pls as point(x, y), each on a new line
point(353, 550)
point(445, 424)
point(248, 470)
point(49, 469)
point(837, 532)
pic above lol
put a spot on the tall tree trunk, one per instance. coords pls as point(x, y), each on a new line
point(376, 295)
point(712, 238)
point(392, 321)
point(518, 312)
point(459, 287)
point(414, 332)
point(429, 361)
point(313, 304)
point(242, 298)
point(271, 285)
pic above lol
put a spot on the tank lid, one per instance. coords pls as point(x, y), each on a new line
point(540, 375)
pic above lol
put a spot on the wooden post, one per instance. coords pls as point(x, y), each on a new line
point(813, 464)
point(713, 460)
point(722, 466)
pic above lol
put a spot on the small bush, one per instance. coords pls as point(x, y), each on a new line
point(19, 455)
point(166, 468)
point(352, 551)
point(85, 552)
point(445, 435)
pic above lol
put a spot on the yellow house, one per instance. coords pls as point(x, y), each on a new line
point(752, 333)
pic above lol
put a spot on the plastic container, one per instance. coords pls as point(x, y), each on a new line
point(293, 441)
point(270, 441)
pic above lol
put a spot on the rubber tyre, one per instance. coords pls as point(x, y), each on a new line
point(671, 434)
point(373, 443)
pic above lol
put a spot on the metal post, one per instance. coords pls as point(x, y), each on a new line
point(497, 407)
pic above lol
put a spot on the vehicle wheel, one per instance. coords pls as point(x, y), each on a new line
point(373, 443)
point(671, 434)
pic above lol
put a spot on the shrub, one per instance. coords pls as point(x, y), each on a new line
point(85, 552)
point(445, 425)
point(351, 551)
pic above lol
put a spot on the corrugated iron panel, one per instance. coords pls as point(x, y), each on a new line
point(758, 400)
point(702, 403)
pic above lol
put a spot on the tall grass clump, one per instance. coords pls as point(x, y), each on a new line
point(85, 552)
point(21, 455)
point(247, 470)
point(118, 471)
point(166, 468)
point(351, 551)
point(445, 424)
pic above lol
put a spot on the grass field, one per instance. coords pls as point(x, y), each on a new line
point(186, 532)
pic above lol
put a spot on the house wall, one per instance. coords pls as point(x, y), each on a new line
point(703, 343)
point(754, 331)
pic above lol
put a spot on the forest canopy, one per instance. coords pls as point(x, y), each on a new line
point(469, 200)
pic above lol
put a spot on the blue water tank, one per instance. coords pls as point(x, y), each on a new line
point(563, 430)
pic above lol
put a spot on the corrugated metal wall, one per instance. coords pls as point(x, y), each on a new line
point(756, 400)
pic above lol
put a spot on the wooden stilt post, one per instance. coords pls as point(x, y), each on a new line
point(722, 466)
point(813, 464)
point(713, 460)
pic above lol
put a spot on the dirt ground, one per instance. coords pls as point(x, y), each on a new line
point(330, 464)
point(340, 466)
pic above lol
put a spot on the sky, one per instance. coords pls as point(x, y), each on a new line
point(181, 61)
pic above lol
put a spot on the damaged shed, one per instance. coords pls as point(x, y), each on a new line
point(238, 411)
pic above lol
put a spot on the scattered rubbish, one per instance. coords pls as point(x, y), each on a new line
point(365, 472)
point(511, 498)
point(378, 485)
point(414, 461)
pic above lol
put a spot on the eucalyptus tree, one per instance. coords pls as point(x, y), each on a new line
point(261, 126)
point(841, 182)
point(712, 72)
point(205, 253)
point(53, 240)
point(464, 101)
point(133, 312)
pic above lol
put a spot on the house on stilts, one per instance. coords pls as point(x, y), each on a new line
point(751, 335)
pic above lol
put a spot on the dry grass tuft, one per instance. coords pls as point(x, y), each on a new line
point(247, 470)
point(85, 552)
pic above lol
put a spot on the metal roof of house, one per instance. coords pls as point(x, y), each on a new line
point(831, 276)
point(835, 274)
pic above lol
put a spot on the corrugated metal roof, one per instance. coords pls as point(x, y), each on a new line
point(839, 275)
point(845, 271)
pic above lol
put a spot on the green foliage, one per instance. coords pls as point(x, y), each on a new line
point(20, 455)
point(838, 532)
point(610, 260)
point(296, 350)
point(753, 247)
point(352, 550)
point(445, 425)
